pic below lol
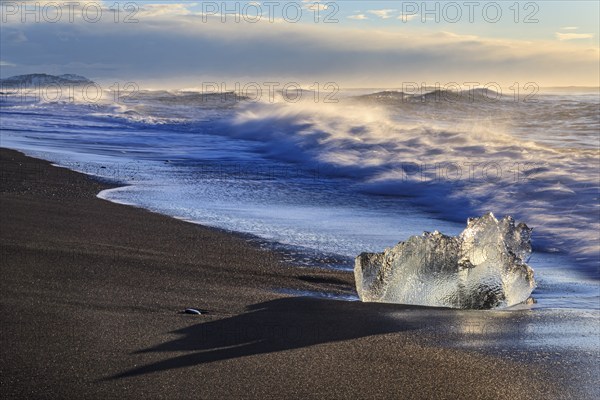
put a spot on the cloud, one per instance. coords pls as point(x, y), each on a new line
point(316, 7)
point(176, 49)
point(573, 36)
point(16, 36)
point(383, 13)
point(155, 10)
point(408, 17)
point(358, 16)
point(76, 11)
point(64, 3)
point(569, 28)
point(6, 64)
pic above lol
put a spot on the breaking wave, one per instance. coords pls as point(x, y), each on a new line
point(454, 158)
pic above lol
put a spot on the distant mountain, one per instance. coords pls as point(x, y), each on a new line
point(386, 97)
point(43, 80)
point(436, 95)
point(476, 94)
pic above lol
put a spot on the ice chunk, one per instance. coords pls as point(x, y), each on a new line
point(484, 267)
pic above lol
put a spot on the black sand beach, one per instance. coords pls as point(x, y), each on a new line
point(91, 292)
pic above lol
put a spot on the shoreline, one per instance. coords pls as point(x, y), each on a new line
point(91, 291)
point(290, 254)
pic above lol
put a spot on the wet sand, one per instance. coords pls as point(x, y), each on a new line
point(91, 292)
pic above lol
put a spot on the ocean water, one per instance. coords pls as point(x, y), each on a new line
point(325, 181)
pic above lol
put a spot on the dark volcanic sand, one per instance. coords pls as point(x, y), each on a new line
point(91, 292)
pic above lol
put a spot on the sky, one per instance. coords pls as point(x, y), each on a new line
point(383, 44)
